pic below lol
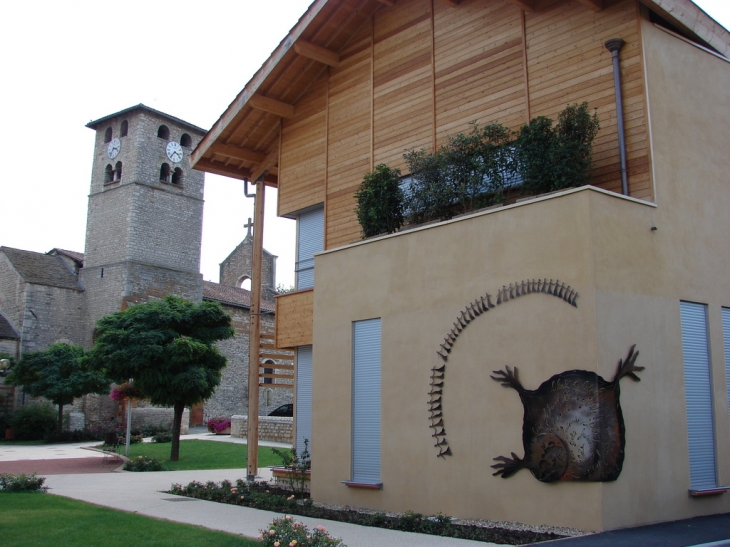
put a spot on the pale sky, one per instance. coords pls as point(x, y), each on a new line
point(64, 64)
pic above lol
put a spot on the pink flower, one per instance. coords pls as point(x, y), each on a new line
point(260, 536)
point(276, 544)
point(272, 532)
point(293, 543)
point(321, 528)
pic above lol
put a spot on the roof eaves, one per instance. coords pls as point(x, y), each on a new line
point(691, 18)
point(255, 82)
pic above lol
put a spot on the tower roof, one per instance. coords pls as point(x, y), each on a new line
point(95, 123)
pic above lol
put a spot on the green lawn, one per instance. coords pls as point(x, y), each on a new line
point(36, 519)
point(196, 454)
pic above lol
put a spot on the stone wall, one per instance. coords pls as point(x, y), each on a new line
point(231, 396)
point(157, 415)
point(270, 428)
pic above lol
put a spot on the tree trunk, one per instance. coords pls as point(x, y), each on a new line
point(60, 419)
point(176, 423)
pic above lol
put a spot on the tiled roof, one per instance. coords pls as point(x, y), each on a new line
point(73, 255)
point(42, 269)
point(6, 329)
point(232, 296)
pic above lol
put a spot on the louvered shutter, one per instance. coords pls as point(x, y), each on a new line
point(726, 337)
point(310, 240)
point(698, 394)
point(304, 397)
point(366, 402)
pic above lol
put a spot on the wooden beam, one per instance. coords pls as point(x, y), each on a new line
point(236, 153)
point(254, 337)
point(268, 162)
point(595, 5)
point(452, 3)
point(218, 168)
point(527, 5)
point(272, 106)
point(317, 53)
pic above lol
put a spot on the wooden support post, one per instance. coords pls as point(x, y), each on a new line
point(254, 336)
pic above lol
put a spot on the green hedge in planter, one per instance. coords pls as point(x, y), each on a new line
point(380, 201)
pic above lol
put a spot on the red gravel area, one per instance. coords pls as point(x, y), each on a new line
point(70, 466)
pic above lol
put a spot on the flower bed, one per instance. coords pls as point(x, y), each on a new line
point(262, 495)
point(219, 426)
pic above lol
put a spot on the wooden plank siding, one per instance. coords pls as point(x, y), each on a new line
point(294, 313)
point(422, 70)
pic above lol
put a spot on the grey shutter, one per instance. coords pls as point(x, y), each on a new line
point(310, 240)
point(726, 340)
point(366, 402)
point(304, 397)
point(698, 394)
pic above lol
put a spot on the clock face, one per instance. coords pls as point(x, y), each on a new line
point(174, 151)
point(113, 149)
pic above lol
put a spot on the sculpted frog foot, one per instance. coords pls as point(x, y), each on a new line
point(508, 466)
point(508, 378)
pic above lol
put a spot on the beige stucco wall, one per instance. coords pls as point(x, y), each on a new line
point(630, 279)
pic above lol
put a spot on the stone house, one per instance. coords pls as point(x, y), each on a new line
point(399, 338)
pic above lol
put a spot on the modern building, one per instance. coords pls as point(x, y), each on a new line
point(399, 338)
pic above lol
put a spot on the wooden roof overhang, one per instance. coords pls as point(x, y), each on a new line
point(244, 142)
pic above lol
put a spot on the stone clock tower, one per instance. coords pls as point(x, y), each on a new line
point(145, 216)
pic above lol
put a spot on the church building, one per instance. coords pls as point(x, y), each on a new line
point(143, 240)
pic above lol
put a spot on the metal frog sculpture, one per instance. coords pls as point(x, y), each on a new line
point(573, 428)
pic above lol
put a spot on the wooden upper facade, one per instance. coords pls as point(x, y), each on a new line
point(359, 82)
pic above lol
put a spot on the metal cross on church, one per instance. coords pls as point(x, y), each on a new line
point(248, 226)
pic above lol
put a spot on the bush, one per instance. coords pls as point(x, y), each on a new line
point(380, 201)
point(143, 463)
point(33, 422)
point(162, 438)
point(286, 531)
point(22, 483)
point(78, 436)
point(217, 425)
point(552, 158)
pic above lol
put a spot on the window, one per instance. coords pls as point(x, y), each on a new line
point(108, 174)
point(186, 141)
point(698, 395)
point(165, 172)
point(108, 135)
point(366, 402)
point(118, 171)
point(244, 282)
point(310, 240)
point(268, 370)
point(163, 132)
point(177, 176)
point(303, 400)
point(726, 339)
point(124, 128)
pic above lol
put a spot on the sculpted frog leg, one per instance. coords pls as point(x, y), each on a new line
point(508, 466)
point(508, 378)
point(627, 367)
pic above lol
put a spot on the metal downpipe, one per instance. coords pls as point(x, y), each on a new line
point(614, 45)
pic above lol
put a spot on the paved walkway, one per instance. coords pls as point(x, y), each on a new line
point(73, 471)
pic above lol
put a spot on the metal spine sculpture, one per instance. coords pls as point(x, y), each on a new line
point(473, 310)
